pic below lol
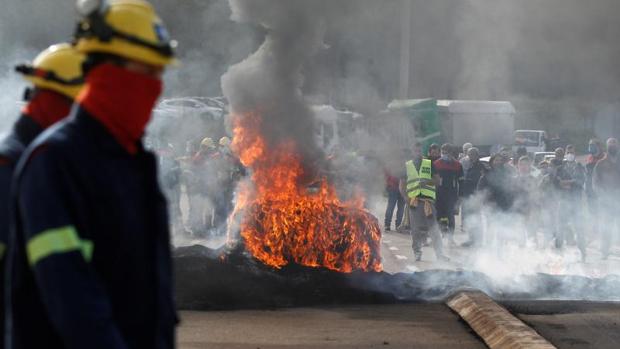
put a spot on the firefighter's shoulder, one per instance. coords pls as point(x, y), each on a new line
point(50, 148)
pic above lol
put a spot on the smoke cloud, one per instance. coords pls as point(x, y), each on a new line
point(270, 80)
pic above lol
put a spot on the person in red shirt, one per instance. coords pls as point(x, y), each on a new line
point(395, 200)
point(450, 173)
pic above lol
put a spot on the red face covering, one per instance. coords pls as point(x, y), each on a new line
point(121, 100)
point(47, 107)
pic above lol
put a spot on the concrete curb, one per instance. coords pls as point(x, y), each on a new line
point(494, 324)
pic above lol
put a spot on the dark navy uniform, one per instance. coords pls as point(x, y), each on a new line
point(11, 148)
point(90, 262)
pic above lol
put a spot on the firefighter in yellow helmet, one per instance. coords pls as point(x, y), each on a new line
point(56, 78)
point(207, 144)
point(200, 185)
point(224, 142)
point(92, 262)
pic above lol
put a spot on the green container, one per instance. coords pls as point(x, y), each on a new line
point(424, 115)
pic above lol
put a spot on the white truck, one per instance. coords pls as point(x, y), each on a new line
point(534, 141)
point(488, 125)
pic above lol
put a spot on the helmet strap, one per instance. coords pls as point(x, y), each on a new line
point(29, 93)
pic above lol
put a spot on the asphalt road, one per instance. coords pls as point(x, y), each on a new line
point(375, 326)
point(575, 324)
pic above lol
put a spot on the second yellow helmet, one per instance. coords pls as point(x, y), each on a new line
point(207, 142)
point(57, 68)
point(224, 141)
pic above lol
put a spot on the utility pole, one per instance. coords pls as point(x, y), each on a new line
point(405, 49)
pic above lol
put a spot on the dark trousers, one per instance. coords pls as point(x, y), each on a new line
point(446, 207)
point(394, 200)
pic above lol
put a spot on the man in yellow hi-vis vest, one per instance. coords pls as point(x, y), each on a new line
point(418, 189)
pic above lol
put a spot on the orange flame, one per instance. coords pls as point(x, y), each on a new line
point(283, 222)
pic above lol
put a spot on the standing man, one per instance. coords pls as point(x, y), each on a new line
point(56, 75)
point(470, 217)
point(525, 200)
point(464, 158)
point(395, 200)
point(225, 164)
point(90, 262)
point(450, 174)
point(572, 179)
point(170, 178)
point(605, 181)
point(595, 154)
point(434, 152)
point(202, 189)
point(418, 187)
point(497, 187)
point(466, 148)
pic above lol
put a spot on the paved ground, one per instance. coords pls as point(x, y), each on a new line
point(380, 326)
point(572, 324)
point(513, 260)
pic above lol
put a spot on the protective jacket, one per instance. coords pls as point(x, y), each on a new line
point(451, 174)
point(11, 148)
point(415, 187)
point(90, 263)
point(497, 184)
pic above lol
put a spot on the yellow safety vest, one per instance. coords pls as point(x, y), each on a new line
point(414, 189)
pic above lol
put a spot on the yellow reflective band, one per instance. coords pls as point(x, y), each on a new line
point(2, 250)
point(60, 240)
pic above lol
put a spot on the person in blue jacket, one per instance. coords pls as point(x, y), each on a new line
point(56, 77)
point(90, 261)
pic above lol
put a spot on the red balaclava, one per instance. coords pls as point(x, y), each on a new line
point(47, 107)
point(121, 100)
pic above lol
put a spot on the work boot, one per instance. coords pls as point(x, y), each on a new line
point(387, 228)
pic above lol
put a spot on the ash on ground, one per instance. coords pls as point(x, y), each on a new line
point(210, 279)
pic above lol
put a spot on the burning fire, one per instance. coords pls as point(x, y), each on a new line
point(283, 222)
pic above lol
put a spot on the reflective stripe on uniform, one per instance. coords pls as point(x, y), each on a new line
point(59, 240)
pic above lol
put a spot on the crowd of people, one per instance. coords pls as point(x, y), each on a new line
point(557, 202)
point(208, 176)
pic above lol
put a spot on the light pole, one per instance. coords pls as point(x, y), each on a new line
point(405, 49)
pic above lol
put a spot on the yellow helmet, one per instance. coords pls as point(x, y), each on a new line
point(207, 142)
point(224, 141)
point(58, 68)
point(127, 28)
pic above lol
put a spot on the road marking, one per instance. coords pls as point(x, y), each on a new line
point(393, 248)
point(400, 257)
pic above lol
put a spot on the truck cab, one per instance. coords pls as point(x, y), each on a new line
point(532, 140)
